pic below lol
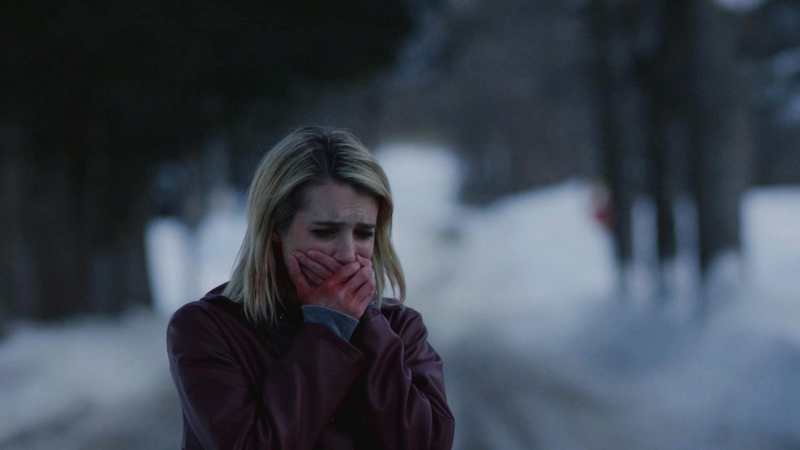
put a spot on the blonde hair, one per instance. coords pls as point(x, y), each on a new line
point(308, 156)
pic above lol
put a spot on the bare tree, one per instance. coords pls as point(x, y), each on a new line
point(683, 58)
point(619, 105)
point(720, 128)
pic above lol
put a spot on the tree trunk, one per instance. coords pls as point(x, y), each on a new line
point(68, 244)
point(720, 130)
point(15, 260)
point(56, 284)
point(113, 214)
point(619, 101)
point(664, 52)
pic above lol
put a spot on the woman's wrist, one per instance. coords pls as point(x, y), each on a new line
point(340, 323)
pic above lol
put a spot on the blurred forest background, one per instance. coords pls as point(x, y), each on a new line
point(114, 112)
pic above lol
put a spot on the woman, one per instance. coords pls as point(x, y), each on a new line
point(299, 350)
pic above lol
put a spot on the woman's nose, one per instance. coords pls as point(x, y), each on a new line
point(345, 251)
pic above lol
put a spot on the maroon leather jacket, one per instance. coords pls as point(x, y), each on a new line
point(300, 386)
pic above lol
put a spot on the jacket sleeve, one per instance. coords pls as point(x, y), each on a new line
point(288, 409)
point(400, 394)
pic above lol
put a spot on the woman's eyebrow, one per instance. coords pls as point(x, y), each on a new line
point(333, 224)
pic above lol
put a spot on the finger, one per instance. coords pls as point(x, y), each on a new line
point(366, 291)
point(344, 273)
point(364, 261)
point(296, 276)
point(313, 279)
point(317, 268)
point(362, 276)
point(328, 261)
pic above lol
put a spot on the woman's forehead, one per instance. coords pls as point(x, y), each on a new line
point(338, 202)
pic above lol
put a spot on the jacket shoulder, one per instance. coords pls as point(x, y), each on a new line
point(190, 319)
point(196, 310)
point(399, 315)
point(204, 318)
point(190, 312)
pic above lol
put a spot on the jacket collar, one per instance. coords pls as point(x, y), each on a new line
point(290, 313)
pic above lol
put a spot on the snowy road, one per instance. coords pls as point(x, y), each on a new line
point(150, 422)
point(88, 384)
point(607, 380)
point(627, 381)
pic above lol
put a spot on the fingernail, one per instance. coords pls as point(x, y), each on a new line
point(312, 253)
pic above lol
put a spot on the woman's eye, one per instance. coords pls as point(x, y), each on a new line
point(365, 234)
point(323, 233)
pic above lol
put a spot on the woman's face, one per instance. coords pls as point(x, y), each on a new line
point(336, 220)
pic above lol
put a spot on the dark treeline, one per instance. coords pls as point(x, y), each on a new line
point(674, 99)
point(679, 84)
point(94, 95)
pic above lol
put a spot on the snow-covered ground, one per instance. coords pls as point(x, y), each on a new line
point(520, 300)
